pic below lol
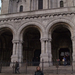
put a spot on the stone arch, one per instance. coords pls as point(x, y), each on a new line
point(7, 33)
point(37, 25)
point(10, 28)
point(68, 24)
point(30, 24)
point(55, 24)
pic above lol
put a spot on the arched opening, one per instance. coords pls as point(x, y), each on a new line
point(31, 46)
point(40, 4)
point(5, 45)
point(61, 43)
point(61, 4)
point(64, 52)
point(21, 8)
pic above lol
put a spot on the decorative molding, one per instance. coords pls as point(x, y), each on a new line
point(17, 41)
point(40, 16)
point(46, 39)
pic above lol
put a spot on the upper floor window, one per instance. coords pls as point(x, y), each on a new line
point(61, 4)
point(21, 8)
point(40, 4)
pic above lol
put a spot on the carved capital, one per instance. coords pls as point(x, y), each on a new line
point(50, 40)
point(44, 39)
point(17, 41)
point(73, 38)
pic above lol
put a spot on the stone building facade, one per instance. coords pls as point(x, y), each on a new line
point(37, 28)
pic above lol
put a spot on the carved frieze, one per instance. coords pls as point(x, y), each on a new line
point(41, 16)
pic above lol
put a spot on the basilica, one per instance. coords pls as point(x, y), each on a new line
point(43, 29)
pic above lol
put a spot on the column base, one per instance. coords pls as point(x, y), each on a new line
point(73, 64)
point(44, 60)
point(15, 58)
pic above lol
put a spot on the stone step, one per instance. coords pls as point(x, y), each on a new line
point(33, 74)
point(32, 69)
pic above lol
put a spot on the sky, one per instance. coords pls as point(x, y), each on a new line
point(0, 3)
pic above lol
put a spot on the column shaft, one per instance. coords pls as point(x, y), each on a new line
point(73, 55)
point(46, 46)
point(17, 49)
point(50, 54)
point(14, 48)
point(42, 46)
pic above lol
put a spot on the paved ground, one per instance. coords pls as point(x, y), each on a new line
point(62, 70)
point(32, 74)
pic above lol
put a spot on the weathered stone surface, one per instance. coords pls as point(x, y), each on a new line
point(45, 21)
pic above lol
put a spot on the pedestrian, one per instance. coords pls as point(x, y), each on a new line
point(17, 67)
point(0, 67)
point(64, 61)
point(58, 61)
point(38, 71)
point(67, 59)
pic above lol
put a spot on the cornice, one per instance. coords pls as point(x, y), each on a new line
point(37, 16)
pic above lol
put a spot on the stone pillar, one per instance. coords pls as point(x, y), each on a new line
point(45, 4)
point(37, 5)
point(31, 5)
point(20, 52)
point(17, 51)
point(73, 54)
point(49, 52)
point(14, 48)
point(46, 46)
point(42, 46)
point(44, 52)
point(5, 6)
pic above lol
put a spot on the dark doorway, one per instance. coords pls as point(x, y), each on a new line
point(36, 58)
point(64, 52)
point(31, 45)
point(61, 39)
point(6, 46)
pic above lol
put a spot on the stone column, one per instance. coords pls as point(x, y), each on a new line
point(14, 48)
point(47, 46)
point(5, 6)
point(31, 5)
point(45, 4)
point(20, 52)
point(49, 52)
point(44, 52)
point(73, 54)
point(17, 48)
point(17, 51)
point(14, 55)
point(42, 46)
point(51, 4)
point(36, 4)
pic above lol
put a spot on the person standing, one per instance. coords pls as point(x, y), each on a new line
point(17, 67)
point(38, 71)
point(67, 59)
point(64, 61)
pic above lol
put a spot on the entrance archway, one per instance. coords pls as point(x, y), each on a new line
point(6, 45)
point(64, 52)
point(31, 45)
point(61, 42)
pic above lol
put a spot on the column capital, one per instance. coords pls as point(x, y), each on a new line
point(17, 41)
point(73, 38)
point(44, 39)
point(50, 40)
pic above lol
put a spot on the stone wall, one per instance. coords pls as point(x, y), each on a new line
point(13, 6)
